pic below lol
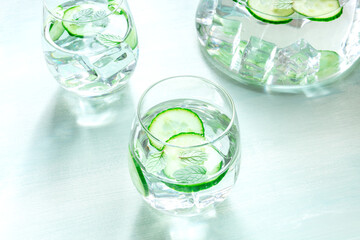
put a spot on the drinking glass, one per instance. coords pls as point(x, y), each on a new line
point(184, 145)
point(280, 44)
point(90, 46)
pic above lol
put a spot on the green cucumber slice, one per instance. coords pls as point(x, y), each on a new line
point(56, 29)
point(329, 63)
point(318, 10)
point(137, 176)
point(172, 122)
point(266, 11)
point(114, 6)
point(131, 39)
point(174, 162)
point(196, 187)
point(55, 26)
point(82, 28)
point(205, 158)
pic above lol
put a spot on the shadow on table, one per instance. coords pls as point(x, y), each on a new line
point(213, 225)
point(77, 136)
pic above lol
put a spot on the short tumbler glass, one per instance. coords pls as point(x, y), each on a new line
point(184, 145)
point(90, 47)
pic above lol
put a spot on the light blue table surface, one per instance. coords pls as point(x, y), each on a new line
point(300, 171)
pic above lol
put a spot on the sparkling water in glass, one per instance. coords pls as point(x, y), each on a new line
point(90, 46)
point(184, 149)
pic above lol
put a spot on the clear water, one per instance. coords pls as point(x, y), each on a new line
point(279, 55)
point(84, 65)
point(168, 195)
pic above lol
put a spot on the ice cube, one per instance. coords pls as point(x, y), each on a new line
point(74, 44)
point(224, 39)
point(210, 14)
point(113, 62)
point(69, 70)
point(205, 12)
point(57, 58)
point(224, 31)
point(257, 59)
point(295, 64)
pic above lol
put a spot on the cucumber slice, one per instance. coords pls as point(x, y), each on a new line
point(83, 28)
point(173, 155)
point(172, 122)
point(56, 29)
point(55, 26)
point(131, 39)
point(318, 10)
point(137, 176)
point(114, 6)
point(196, 187)
point(266, 11)
point(329, 63)
point(178, 159)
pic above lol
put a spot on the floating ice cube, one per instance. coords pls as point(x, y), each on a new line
point(257, 59)
point(295, 64)
point(55, 58)
point(224, 39)
point(210, 14)
point(205, 12)
point(72, 68)
point(74, 44)
point(224, 33)
point(114, 61)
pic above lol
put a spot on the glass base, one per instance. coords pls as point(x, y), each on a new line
point(165, 199)
point(319, 88)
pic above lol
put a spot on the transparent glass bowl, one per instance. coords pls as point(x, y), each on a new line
point(285, 53)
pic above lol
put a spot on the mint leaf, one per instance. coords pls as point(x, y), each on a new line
point(190, 174)
point(193, 157)
point(84, 15)
point(102, 20)
point(283, 4)
point(109, 39)
point(88, 14)
point(155, 162)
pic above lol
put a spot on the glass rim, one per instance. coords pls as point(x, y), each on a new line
point(207, 142)
point(54, 15)
point(294, 15)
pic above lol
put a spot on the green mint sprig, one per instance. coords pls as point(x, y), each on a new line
point(88, 14)
point(193, 157)
point(190, 174)
point(103, 20)
point(283, 4)
point(155, 163)
point(110, 40)
point(84, 15)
